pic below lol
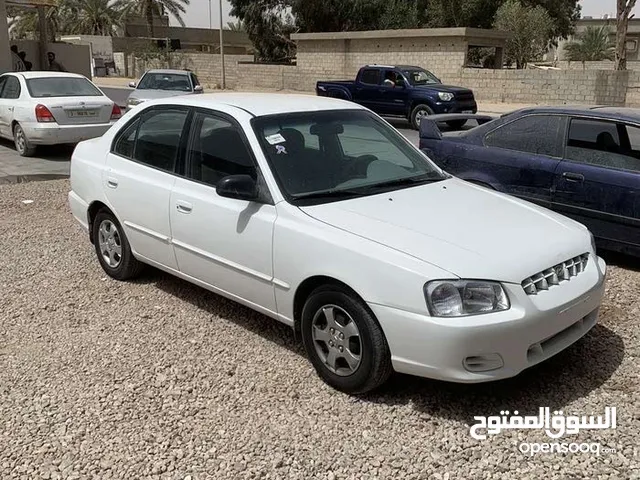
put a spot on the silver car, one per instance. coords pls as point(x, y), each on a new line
point(162, 84)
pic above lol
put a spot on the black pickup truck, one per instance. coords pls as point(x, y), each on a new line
point(402, 91)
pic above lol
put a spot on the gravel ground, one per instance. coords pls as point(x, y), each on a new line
point(161, 379)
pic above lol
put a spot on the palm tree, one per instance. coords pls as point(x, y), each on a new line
point(23, 23)
point(236, 26)
point(148, 9)
point(594, 44)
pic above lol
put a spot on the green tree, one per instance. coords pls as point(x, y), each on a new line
point(531, 28)
point(594, 44)
point(625, 7)
point(150, 9)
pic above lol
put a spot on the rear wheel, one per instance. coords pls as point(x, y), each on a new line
point(418, 113)
point(344, 341)
point(23, 146)
point(112, 248)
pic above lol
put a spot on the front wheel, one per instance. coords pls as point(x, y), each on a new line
point(418, 113)
point(344, 341)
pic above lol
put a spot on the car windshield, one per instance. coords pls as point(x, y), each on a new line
point(165, 81)
point(338, 154)
point(62, 87)
point(420, 77)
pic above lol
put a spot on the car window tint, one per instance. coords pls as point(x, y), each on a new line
point(217, 150)
point(11, 88)
point(536, 134)
point(126, 141)
point(62, 87)
point(2, 82)
point(370, 76)
point(194, 79)
point(598, 142)
point(361, 140)
point(158, 138)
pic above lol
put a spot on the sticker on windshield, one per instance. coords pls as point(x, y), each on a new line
point(275, 139)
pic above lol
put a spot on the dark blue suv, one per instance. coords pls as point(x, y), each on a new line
point(583, 162)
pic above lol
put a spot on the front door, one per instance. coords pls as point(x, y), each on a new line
point(223, 242)
point(598, 183)
point(394, 97)
point(139, 177)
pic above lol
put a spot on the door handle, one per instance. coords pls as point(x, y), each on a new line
point(573, 177)
point(112, 182)
point(11, 109)
point(184, 207)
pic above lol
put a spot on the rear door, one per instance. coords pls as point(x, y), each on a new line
point(519, 157)
point(366, 88)
point(598, 183)
point(139, 176)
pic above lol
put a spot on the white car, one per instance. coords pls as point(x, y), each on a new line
point(318, 213)
point(49, 108)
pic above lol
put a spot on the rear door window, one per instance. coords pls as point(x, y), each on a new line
point(537, 134)
point(370, 76)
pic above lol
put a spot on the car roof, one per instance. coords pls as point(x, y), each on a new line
point(262, 104)
point(47, 74)
point(597, 111)
point(169, 71)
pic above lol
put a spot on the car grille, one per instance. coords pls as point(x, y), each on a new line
point(550, 277)
point(462, 96)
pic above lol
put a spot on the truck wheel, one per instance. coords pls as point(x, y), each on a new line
point(418, 113)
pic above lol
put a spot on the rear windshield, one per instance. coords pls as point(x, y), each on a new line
point(62, 87)
point(165, 81)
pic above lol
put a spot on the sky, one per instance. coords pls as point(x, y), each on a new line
point(198, 11)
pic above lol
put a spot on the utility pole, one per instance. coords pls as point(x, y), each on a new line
point(210, 19)
point(224, 81)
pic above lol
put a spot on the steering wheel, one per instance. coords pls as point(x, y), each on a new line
point(358, 167)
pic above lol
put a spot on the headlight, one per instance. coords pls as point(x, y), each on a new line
point(459, 298)
point(134, 101)
point(445, 96)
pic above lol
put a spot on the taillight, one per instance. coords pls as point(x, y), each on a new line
point(116, 113)
point(43, 114)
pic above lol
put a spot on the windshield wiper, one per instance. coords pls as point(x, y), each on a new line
point(329, 194)
point(401, 182)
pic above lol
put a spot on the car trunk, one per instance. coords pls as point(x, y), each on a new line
point(79, 110)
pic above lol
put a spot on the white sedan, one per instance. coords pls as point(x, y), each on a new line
point(49, 108)
point(319, 214)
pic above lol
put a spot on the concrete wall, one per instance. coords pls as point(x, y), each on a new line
point(75, 58)
point(101, 46)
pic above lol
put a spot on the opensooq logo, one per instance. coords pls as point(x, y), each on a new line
point(556, 425)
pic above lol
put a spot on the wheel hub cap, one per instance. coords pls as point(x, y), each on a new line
point(337, 340)
point(110, 243)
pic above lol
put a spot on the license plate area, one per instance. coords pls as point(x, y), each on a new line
point(82, 113)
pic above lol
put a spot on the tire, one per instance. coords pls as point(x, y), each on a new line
point(20, 140)
point(417, 113)
point(112, 248)
point(367, 344)
point(456, 124)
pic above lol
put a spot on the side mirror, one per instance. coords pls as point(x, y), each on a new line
point(198, 89)
point(132, 84)
point(429, 130)
point(240, 187)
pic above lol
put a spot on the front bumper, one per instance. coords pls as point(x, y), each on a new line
point(55, 134)
point(498, 345)
point(466, 106)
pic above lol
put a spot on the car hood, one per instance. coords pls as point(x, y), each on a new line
point(468, 230)
point(153, 94)
point(443, 88)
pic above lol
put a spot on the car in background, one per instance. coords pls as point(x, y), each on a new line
point(319, 214)
point(583, 162)
point(162, 84)
point(49, 108)
point(402, 91)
